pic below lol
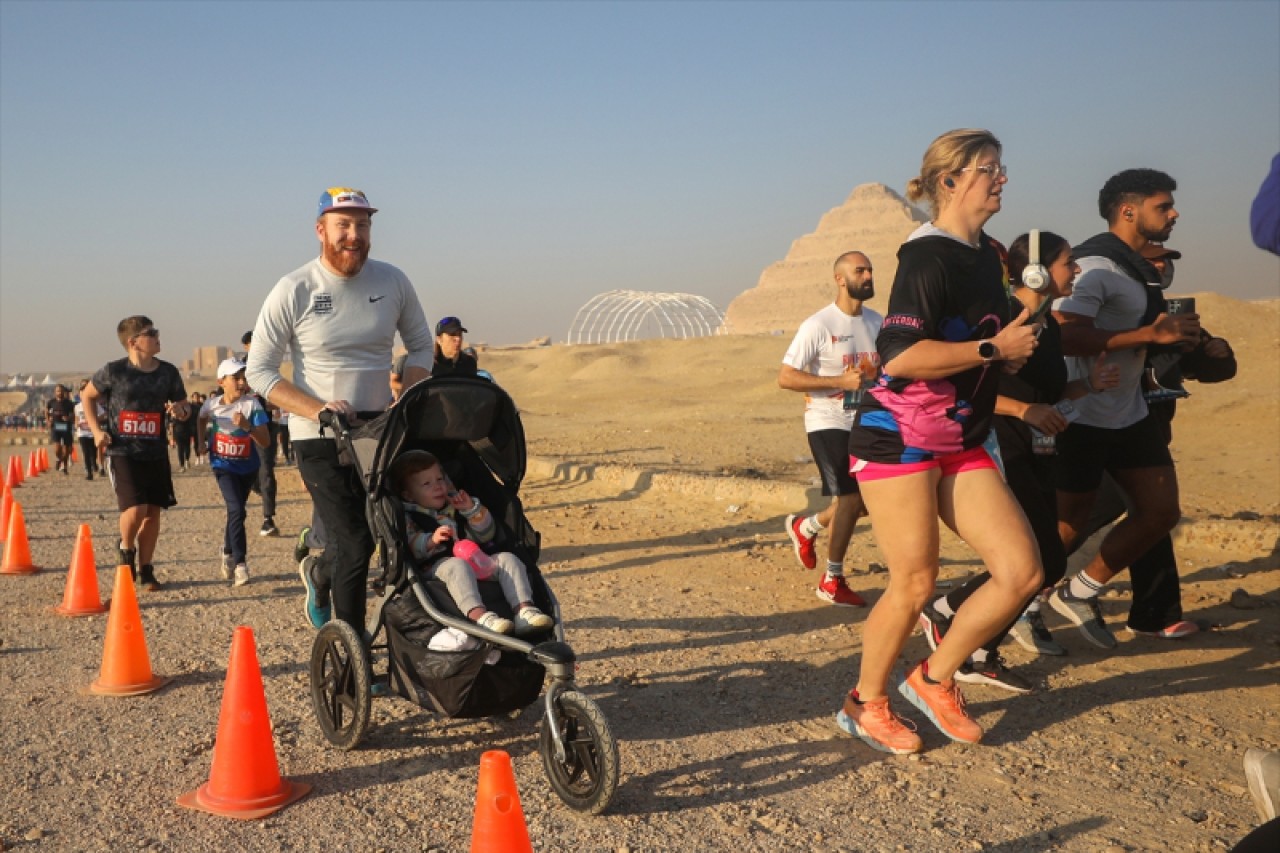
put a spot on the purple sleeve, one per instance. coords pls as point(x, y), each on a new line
point(1264, 217)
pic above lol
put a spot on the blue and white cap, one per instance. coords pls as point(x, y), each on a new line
point(344, 198)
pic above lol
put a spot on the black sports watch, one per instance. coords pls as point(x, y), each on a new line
point(987, 352)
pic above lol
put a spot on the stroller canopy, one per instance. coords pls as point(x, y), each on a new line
point(451, 408)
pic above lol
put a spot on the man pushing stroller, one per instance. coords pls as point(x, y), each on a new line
point(446, 529)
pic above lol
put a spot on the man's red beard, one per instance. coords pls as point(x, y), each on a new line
point(347, 263)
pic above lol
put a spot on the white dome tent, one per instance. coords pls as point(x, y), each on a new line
point(629, 315)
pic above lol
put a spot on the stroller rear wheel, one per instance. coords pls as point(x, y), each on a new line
point(588, 776)
point(340, 677)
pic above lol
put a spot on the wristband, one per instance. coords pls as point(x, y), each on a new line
point(475, 508)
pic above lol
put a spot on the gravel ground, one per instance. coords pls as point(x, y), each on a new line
point(717, 668)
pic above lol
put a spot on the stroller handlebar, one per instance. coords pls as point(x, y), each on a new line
point(335, 421)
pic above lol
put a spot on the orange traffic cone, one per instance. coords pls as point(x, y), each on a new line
point(499, 825)
point(15, 472)
point(17, 550)
point(6, 509)
point(44, 460)
point(244, 781)
point(75, 457)
point(33, 467)
point(81, 595)
point(126, 668)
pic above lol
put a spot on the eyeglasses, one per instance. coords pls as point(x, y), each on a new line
point(148, 333)
point(994, 171)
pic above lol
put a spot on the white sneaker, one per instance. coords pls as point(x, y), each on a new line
point(494, 622)
point(242, 575)
point(531, 620)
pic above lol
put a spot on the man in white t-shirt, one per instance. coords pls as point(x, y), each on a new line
point(832, 357)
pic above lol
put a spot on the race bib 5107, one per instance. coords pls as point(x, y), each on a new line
point(231, 446)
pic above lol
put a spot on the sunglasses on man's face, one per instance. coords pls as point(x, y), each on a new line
point(148, 333)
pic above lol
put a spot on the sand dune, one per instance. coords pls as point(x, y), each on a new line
point(712, 406)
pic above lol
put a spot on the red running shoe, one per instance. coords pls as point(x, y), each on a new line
point(836, 591)
point(1174, 632)
point(804, 544)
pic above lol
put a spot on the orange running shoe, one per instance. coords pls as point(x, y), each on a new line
point(878, 726)
point(943, 704)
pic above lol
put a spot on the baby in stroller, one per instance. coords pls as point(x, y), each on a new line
point(437, 517)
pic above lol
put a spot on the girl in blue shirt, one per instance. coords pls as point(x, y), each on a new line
point(233, 426)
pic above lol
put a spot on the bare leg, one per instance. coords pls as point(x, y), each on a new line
point(148, 534)
point(130, 523)
point(1073, 517)
point(904, 518)
point(845, 512)
point(982, 511)
point(1153, 493)
point(827, 513)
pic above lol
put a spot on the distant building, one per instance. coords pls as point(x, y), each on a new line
point(205, 360)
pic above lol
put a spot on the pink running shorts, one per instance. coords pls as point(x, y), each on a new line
point(974, 459)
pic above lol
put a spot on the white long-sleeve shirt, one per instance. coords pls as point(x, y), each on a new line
point(339, 332)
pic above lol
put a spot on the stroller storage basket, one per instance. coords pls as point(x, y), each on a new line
point(454, 683)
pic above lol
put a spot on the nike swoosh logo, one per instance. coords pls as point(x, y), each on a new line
point(376, 298)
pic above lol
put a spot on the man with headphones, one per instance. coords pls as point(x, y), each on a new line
point(1118, 308)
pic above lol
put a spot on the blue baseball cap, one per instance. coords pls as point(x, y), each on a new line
point(344, 198)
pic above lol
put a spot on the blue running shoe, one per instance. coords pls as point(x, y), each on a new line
point(318, 609)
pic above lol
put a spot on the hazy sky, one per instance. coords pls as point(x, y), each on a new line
point(165, 158)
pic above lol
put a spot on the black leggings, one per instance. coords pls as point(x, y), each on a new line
point(1029, 479)
point(183, 440)
point(89, 451)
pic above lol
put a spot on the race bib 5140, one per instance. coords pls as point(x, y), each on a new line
point(139, 424)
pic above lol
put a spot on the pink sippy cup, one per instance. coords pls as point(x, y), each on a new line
point(481, 563)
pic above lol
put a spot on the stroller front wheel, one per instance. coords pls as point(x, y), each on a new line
point(340, 678)
point(588, 776)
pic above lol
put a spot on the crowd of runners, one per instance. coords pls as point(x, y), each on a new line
point(1000, 393)
point(1022, 396)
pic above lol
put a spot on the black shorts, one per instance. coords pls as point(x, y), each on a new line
point(830, 449)
point(141, 482)
point(1085, 452)
point(63, 438)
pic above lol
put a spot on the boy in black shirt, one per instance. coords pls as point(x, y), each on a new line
point(137, 392)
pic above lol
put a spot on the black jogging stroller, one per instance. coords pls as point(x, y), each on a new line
point(473, 428)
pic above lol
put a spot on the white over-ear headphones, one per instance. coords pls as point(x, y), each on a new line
point(1035, 276)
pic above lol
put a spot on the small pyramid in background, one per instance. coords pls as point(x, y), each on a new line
point(874, 220)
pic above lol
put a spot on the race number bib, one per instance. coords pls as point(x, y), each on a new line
point(139, 424)
point(231, 446)
point(60, 426)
